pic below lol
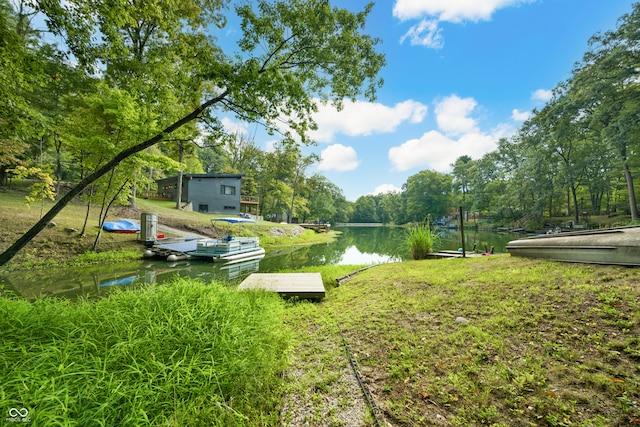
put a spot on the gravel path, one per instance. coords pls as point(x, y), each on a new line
point(323, 390)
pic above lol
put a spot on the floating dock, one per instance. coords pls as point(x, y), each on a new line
point(288, 285)
point(455, 254)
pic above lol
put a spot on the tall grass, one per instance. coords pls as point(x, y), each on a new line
point(183, 354)
point(421, 240)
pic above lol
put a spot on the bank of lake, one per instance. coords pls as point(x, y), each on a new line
point(497, 341)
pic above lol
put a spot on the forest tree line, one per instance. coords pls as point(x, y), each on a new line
point(577, 156)
point(60, 119)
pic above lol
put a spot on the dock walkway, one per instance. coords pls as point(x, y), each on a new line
point(301, 285)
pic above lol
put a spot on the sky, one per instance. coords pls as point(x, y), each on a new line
point(460, 75)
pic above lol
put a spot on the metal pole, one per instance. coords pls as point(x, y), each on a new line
point(462, 232)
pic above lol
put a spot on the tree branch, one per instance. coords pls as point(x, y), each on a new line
point(7, 255)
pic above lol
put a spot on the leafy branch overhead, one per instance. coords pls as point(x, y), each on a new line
point(291, 55)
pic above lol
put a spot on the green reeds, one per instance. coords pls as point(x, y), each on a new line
point(183, 354)
point(421, 240)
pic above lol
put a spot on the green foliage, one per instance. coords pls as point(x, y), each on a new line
point(165, 61)
point(427, 193)
point(364, 210)
point(41, 189)
point(421, 239)
point(181, 354)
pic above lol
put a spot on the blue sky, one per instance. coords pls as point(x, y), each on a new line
point(460, 75)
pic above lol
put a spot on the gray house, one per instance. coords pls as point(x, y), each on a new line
point(207, 193)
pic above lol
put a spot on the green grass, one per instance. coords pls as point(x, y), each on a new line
point(546, 343)
point(183, 354)
point(57, 245)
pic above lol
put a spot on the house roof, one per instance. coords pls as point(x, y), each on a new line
point(204, 175)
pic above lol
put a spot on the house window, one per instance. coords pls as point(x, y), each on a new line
point(203, 208)
point(228, 190)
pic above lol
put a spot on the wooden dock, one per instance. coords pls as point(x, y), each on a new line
point(300, 285)
point(454, 254)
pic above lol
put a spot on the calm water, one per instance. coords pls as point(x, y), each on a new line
point(357, 245)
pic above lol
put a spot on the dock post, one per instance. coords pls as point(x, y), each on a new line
point(462, 232)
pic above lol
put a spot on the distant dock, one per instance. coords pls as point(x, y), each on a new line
point(454, 254)
point(288, 285)
point(359, 224)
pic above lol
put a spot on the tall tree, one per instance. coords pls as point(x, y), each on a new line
point(427, 193)
point(462, 173)
point(21, 72)
point(365, 210)
point(292, 54)
point(607, 83)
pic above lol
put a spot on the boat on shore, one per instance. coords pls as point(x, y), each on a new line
point(228, 249)
point(614, 246)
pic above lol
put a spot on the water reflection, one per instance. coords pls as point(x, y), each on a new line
point(355, 246)
point(97, 281)
point(352, 256)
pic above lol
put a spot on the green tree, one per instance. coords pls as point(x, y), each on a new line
point(365, 210)
point(388, 207)
point(487, 182)
point(292, 54)
point(321, 194)
point(427, 193)
point(557, 137)
point(606, 82)
point(21, 72)
point(462, 176)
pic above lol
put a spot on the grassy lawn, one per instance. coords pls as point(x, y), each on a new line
point(493, 341)
point(60, 244)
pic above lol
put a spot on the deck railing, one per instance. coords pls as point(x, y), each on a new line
point(249, 199)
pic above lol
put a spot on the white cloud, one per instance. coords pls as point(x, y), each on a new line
point(237, 128)
point(435, 151)
point(458, 135)
point(543, 95)
point(451, 10)
point(339, 158)
point(386, 188)
point(426, 33)
point(520, 116)
point(432, 12)
point(452, 115)
point(270, 146)
point(365, 118)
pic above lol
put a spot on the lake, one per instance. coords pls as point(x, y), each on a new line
point(355, 246)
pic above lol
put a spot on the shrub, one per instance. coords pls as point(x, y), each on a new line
point(421, 240)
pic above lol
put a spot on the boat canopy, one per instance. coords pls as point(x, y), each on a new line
point(234, 220)
point(122, 226)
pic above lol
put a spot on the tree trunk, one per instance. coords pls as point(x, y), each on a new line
point(179, 189)
point(149, 181)
point(86, 219)
point(7, 255)
point(132, 201)
point(179, 201)
point(106, 212)
point(633, 207)
point(574, 194)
